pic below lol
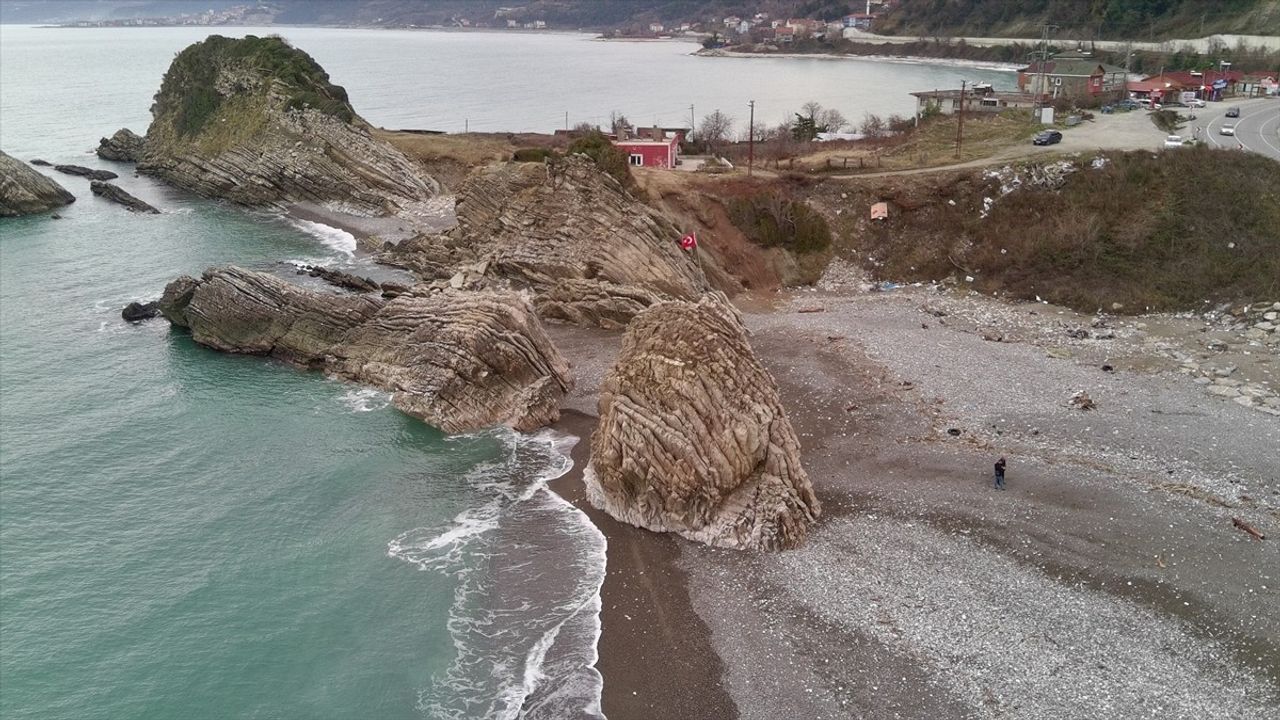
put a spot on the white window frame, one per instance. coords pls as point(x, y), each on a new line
point(636, 159)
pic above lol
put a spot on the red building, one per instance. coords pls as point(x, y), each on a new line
point(660, 152)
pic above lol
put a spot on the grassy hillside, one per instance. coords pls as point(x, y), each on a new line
point(1124, 19)
point(1164, 231)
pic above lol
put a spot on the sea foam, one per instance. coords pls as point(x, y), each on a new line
point(332, 237)
point(525, 621)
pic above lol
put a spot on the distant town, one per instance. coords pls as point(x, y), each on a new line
point(758, 28)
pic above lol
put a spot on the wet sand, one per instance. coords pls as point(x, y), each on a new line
point(655, 652)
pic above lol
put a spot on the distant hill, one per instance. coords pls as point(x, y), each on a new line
point(1133, 19)
point(1119, 19)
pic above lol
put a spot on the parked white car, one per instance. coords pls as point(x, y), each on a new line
point(1195, 102)
point(1174, 141)
point(1227, 129)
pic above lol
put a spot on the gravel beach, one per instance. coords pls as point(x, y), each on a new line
point(1107, 580)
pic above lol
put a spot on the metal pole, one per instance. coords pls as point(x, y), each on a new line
point(960, 116)
point(751, 138)
point(566, 119)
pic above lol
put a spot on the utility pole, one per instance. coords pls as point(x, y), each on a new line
point(566, 119)
point(692, 124)
point(960, 116)
point(466, 125)
point(751, 138)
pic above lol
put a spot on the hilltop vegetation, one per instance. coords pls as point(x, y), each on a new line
point(191, 94)
point(1123, 19)
point(1164, 231)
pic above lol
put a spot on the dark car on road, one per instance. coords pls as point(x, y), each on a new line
point(1048, 137)
point(1233, 112)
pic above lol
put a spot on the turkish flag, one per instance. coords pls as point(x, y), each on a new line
point(689, 242)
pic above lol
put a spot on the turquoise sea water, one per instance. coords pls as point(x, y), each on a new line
point(187, 534)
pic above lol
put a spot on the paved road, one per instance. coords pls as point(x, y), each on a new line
point(1257, 128)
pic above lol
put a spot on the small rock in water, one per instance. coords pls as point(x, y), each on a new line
point(137, 312)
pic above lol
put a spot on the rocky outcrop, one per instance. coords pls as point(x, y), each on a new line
point(83, 171)
point(590, 252)
point(137, 312)
point(24, 191)
point(338, 278)
point(124, 146)
point(460, 361)
point(693, 438)
point(117, 194)
point(257, 122)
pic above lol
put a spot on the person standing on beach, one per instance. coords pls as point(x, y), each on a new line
point(1000, 474)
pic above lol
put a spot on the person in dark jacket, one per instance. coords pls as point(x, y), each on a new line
point(1000, 474)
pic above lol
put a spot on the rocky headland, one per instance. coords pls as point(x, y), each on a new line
point(693, 438)
point(591, 253)
point(461, 361)
point(257, 122)
point(24, 191)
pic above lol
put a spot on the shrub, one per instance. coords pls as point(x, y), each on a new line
point(771, 221)
point(533, 154)
point(608, 158)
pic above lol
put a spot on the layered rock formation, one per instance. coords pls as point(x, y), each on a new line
point(24, 191)
point(257, 122)
point(124, 146)
point(119, 195)
point(459, 361)
point(590, 252)
point(693, 438)
point(82, 171)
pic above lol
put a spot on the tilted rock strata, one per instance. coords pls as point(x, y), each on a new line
point(589, 251)
point(693, 438)
point(119, 195)
point(82, 171)
point(260, 141)
point(124, 146)
point(24, 191)
point(459, 361)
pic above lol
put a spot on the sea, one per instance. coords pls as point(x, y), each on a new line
point(189, 534)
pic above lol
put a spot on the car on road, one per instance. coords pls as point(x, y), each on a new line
point(1048, 137)
point(1128, 104)
point(1227, 129)
point(1174, 141)
point(1233, 112)
point(1196, 102)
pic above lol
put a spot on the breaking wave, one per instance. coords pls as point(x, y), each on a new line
point(332, 237)
point(525, 618)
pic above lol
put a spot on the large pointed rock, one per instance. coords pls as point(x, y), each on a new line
point(256, 121)
point(460, 361)
point(24, 191)
point(693, 438)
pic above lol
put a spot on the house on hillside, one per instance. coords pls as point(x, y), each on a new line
point(1071, 75)
point(979, 99)
point(650, 147)
point(784, 35)
point(860, 21)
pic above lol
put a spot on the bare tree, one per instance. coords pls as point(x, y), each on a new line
point(811, 110)
point(618, 120)
point(715, 129)
point(832, 120)
point(872, 126)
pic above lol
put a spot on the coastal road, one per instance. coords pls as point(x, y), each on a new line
point(1257, 128)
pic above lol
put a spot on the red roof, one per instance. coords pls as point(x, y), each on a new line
point(1188, 79)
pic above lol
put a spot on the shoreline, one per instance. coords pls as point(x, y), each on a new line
point(900, 59)
point(654, 652)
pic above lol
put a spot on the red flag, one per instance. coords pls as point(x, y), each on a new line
point(689, 242)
